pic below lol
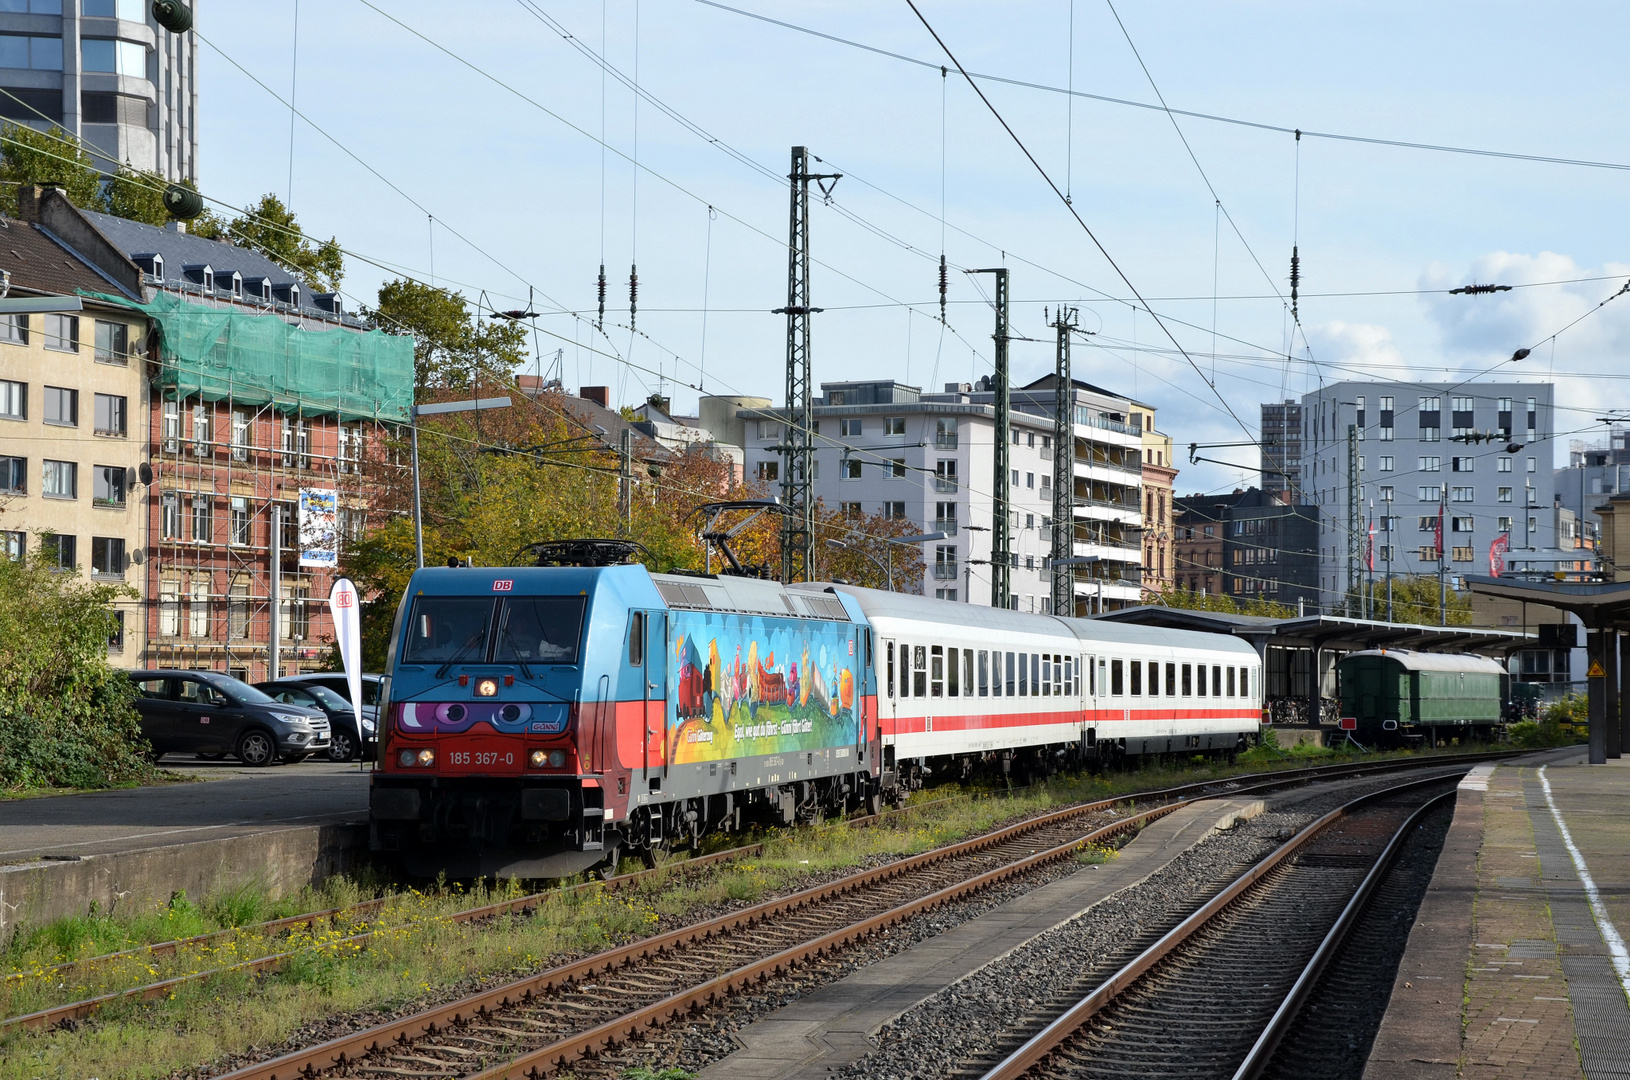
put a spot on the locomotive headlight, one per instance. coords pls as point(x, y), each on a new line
point(405, 758)
point(537, 759)
point(426, 758)
point(557, 758)
point(422, 759)
point(486, 688)
point(553, 758)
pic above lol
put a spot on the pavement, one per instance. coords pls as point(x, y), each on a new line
point(1516, 967)
point(233, 801)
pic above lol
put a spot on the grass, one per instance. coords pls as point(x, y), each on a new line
point(419, 955)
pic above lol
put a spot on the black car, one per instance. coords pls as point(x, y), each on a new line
point(346, 741)
point(211, 715)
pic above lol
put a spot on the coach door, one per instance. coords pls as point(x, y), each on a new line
point(887, 710)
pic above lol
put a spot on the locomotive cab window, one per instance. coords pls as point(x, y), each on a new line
point(539, 630)
point(448, 629)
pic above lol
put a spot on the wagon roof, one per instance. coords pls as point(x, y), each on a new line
point(1411, 660)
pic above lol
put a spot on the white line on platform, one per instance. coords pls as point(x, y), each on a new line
point(1610, 933)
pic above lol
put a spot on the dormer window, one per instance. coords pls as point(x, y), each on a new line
point(201, 274)
point(287, 294)
point(258, 288)
point(237, 285)
point(151, 263)
point(329, 302)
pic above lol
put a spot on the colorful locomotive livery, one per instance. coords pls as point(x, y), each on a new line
point(747, 686)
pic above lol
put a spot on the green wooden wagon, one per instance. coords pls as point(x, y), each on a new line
point(1399, 696)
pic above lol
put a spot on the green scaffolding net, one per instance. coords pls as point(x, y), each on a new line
point(259, 359)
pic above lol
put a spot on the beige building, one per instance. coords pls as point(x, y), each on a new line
point(1159, 476)
point(73, 409)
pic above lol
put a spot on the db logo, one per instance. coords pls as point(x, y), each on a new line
point(344, 599)
point(503, 585)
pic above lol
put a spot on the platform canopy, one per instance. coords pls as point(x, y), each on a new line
point(1326, 631)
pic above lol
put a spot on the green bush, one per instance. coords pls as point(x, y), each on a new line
point(66, 718)
point(1560, 723)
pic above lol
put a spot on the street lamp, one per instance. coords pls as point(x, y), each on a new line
point(922, 538)
point(841, 546)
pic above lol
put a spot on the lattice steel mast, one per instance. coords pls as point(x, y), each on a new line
point(1001, 538)
point(1063, 467)
point(798, 519)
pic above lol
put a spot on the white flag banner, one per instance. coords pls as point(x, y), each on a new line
point(344, 606)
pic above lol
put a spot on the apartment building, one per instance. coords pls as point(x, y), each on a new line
point(73, 403)
point(1159, 475)
point(883, 447)
point(1435, 493)
point(1282, 448)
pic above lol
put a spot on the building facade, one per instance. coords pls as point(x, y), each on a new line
point(1199, 525)
point(1271, 550)
point(73, 408)
point(1596, 471)
point(883, 447)
point(1159, 475)
point(1282, 448)
point(1411, 468)
point(104, 71)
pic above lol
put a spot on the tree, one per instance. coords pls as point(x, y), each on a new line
point(31, 156)
point(1415, 599)
point(137, 196)
point(452, 349)
point(1192, 600)
point(270, 227)
point(66, 718)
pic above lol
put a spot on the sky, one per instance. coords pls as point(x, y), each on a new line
point(463, 145)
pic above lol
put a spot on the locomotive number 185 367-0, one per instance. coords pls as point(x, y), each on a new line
point(481, 757)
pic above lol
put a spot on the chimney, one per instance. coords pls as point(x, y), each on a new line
point(29, 197)
point(600, 395)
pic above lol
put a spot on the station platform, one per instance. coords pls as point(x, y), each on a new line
point(1516, 965)
point(278, 828)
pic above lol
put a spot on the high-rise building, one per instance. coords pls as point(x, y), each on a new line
point(105, 71)
point(1430, 492)
point(883, 447)
point(1282, 448)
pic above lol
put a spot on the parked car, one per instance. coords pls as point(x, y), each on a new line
point(372, 688)
point(212, 714)
point(346, 741)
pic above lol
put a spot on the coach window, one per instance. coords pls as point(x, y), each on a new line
point(1010, 682)
point(1071, 688)
point(1188, 680)
point(1154, 679)
point(1216, 680)
point(1137, 678)
point(636, 640)
point(936, 677)
point(967, 673)
point(1045, 687)
point(1171, 680)
point(952, 671)
point(1117, 678)
point(1035, 674)
point(1024, 675)
point(1230, 682)
point(1244, 682)
point(1103, 680)
point(1061, 680)
point(919, 673)
point(984, 673)
point(1200, 679)
point(888, 650)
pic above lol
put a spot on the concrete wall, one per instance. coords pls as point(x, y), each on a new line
point(281, 861)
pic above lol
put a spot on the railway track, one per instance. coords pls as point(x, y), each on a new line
point(1241, 969)
point(537, 1026)
point(902, 889)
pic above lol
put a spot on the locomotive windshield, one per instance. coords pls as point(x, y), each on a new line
point(539, 629)
point(456, 629)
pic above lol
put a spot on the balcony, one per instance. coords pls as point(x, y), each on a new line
point(945, 440)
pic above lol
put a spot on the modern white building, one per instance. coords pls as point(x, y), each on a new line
point(883, 447)
point(105, 71)
point(1413, 463)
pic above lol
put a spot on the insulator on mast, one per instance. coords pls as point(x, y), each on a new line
point(600, 320)
point(1295, 278)
point(633, 293)
point(942, 286)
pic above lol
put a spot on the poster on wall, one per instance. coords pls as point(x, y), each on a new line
point(746, 686)
point(319, 534)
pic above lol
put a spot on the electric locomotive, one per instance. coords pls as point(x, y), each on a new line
point(542, 721)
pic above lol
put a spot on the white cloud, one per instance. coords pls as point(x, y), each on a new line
point(1493, 326)
point(1359, 349)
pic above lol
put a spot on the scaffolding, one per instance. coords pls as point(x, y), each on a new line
point(245, 411)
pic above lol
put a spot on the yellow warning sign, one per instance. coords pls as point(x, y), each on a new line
point(1596, 671)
